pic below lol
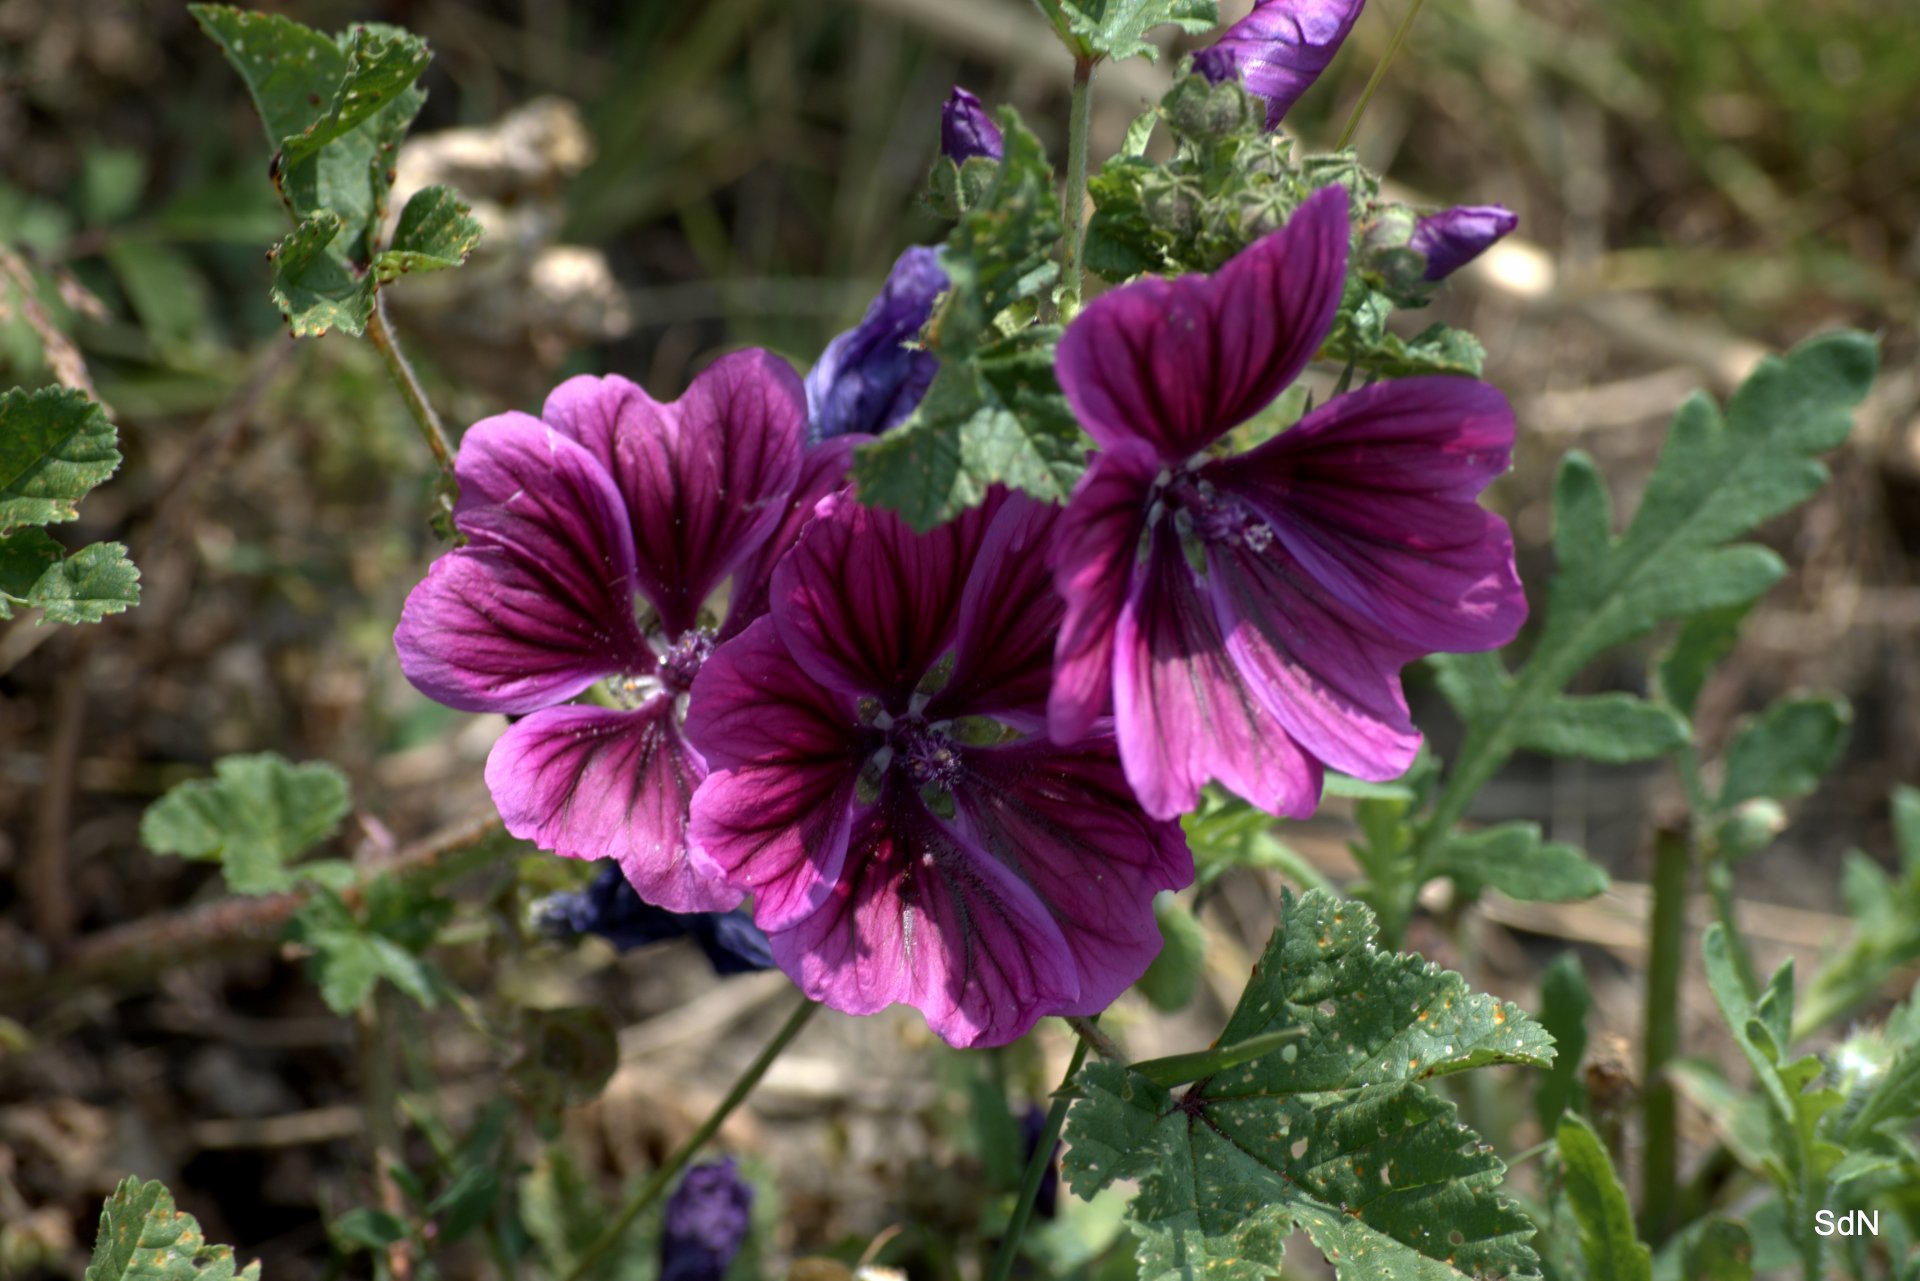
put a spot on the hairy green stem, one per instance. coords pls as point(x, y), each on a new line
point(1379, 74)
point(1660, 1155)
point(380, 332)
point(1073, 248)
point(656, 1185)
point(1036, 1171)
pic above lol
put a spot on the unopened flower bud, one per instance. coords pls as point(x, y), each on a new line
point(1453, 238)
point(966, 130)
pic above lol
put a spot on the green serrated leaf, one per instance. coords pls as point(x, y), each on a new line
point(1615, 728)
point(1600, 1206)
point(1785, 752)
point(379, 64)
point(85, 587)
point(436, 231)
point(1513, 859)
point(313, 284)
point(256, 815)
point(143, 1238)
point(1334, 1133)
point(55, 445)
point(1117, 28)
point(291, 70)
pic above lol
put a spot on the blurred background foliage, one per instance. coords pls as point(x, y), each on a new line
point(1697, 180)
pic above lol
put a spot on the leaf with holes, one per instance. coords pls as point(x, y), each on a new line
point(436, 231)
point(1335, 1134)
point(143, 1238)
point(255, 816)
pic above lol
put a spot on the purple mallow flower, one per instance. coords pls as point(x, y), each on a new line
point(705, 1223)
point(883, 785)
point(610, 909)
point(595, 536)
point(966, 130)
point(1246, 616)
point(1280, 49)
point(1454, 237)
point(870, 378)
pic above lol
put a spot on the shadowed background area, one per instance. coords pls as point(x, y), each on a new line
point(1697, 183)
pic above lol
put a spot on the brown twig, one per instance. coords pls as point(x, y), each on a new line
point(142, 950)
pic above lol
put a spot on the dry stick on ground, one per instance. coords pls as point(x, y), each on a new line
point(142, 950)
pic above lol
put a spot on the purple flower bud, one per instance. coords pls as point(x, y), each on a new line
point(966, 130)
point(705, 1222)
point(868, 379)
point(1454, 237)
point(610, 909)
point(1280, 49)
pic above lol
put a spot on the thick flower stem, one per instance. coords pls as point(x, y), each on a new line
point(1660, 1156)
point(1036, 1170)
point(380, 331)
point(1379, 74)
point(664, 1176)
point(1078, 125)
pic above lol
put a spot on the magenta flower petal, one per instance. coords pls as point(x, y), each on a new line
point(1094, 550)
point(538, 605)
point(823, 469)
point(705, 478)
point(1372, 495)
point(1178, 363)
point(774, 814)
point(594, 782)
point(1183, 710)
point(1103, 860)
point(1280, 49)
point(1009, 616)
point(921, 916)
point(866, 605)
point(1326, 676)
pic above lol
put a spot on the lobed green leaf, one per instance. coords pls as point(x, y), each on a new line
point(255, 816)
point(1606, 727)
point(1333, 1133)
point(85, 587)
point(1513, 859)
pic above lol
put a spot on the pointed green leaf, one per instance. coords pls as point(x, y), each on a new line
point(1333, 1133)
point(256, 815)
point(1785, 752)
point(85, 587)
point(1564, 1003)
point(1615, 728)
point(143, 1238)
point(291, 70)
point(1704, 639)
point(55, 445)
point(1600, 1206)
point(1178, 1069)
point(1582, 515)
point(1117, 28)
point(1514, 860)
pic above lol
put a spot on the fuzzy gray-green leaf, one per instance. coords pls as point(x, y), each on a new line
point(1785, 752)
point(1600, 1206)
